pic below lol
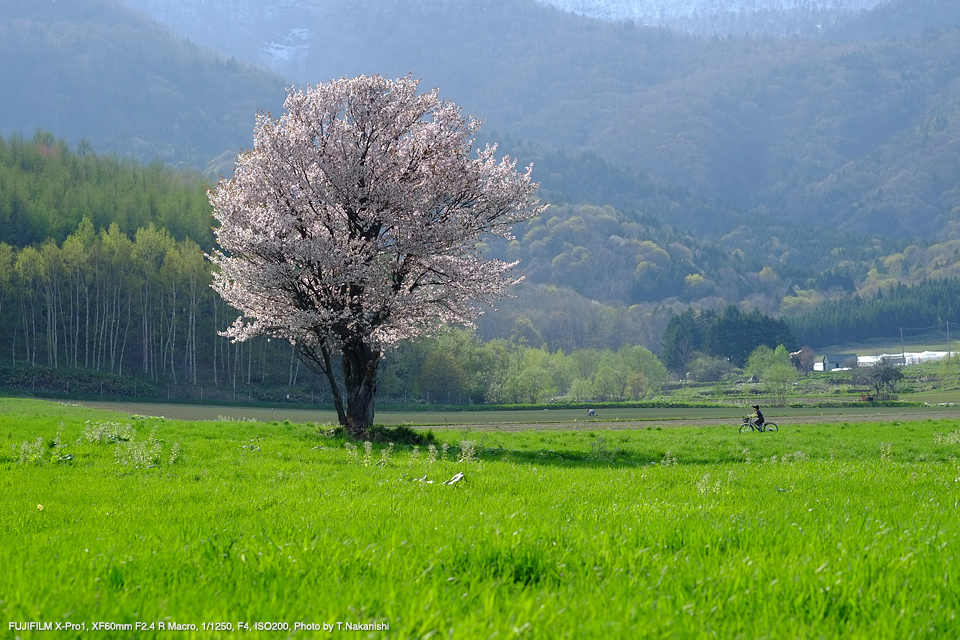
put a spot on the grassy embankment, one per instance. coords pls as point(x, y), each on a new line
point(820, 530)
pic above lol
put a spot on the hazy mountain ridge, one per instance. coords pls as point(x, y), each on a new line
point(279, 32)
point(631, 9)
point(760, 123)
point(96, 70)
point(726, 17)
point(825, 19)
point(286, 33)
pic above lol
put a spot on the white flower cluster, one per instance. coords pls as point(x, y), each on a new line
point(357, 215)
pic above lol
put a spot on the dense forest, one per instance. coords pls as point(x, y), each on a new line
point(121, 297)
point(623, 256)
point(926, 306)
point(47, 188)
point(93, 70)
point(730, 336)
point(124, 308)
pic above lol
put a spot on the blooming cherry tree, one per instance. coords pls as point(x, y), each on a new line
point(354, 223)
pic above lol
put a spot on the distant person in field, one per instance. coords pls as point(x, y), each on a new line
point(756, 416)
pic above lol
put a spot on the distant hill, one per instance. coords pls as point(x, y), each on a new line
point(897, 18)
point(831, 19)
point(728, 17)
point(851, 134)
point(95, 70)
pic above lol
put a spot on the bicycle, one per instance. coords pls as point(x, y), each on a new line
point(750, 425)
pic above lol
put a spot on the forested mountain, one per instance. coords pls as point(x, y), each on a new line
point(728, 17)
point(621, 256)
point(95, 70)
point(852, 135)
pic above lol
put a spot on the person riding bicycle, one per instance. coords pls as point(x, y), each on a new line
point(756, 416)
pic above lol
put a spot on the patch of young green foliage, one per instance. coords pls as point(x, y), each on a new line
point(845, 530)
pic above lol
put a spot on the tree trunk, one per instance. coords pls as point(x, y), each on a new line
point(360, 364)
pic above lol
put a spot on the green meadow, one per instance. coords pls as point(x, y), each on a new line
point(122, 524)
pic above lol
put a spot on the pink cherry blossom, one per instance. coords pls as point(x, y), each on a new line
point(354, 223)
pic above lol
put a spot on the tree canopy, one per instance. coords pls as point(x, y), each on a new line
point(732, 335)
point(353, 223)
point(47, 188)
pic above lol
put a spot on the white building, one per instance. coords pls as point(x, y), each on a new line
point(908, 358)
point(844, 361)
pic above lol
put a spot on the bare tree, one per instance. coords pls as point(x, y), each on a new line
point(882, 376)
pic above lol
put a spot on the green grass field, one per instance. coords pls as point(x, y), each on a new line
point(842, 530)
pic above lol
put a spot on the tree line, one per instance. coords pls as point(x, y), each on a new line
point(106, 301)
point(456, 367)
point(720, 339)
point(857, 319)
point(103, 270)
point(47, 188)
point(141, 306)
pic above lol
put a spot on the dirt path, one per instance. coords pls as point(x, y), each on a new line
point(567, 420)
point(826, 416)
